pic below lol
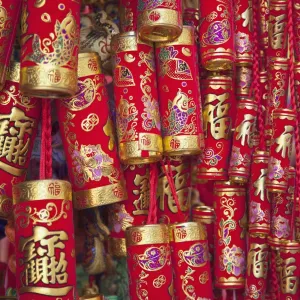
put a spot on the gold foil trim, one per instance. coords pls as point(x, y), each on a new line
point(186, 38)
point(147, 234)
point(49, 189)
point(88, 64)
point(284, 113)
point(117, 247)
point(187, 232)
point(216, 63)
point(104, 195)
point(13, 72)
point(279, 63)
point(182, 145)
point(231, 281)
point(6, 206)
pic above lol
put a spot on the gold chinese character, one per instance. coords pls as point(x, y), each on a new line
point(257, 261)
point(277, 34)
point(284, 141)
point(142, 203)
point(246, 129)
point(259, 184)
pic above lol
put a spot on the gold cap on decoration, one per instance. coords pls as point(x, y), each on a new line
point(88, 64)
point(187, 232)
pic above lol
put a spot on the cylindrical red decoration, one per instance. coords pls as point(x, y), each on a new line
point(9, 20)
point(216, 33)
point(296, 26)
point(49, 48)
point(288, 270)
point(230, 235)
point(263, 23)
point(133, 211)
point(88, 139)
point(218, 103)
point(159, 21)
point(243, 81)
point(279, 162)
point(149, 262)
point(278, 17)
point(242, 146)
point(190, 259)
point(257, 268)
point(45, 247)
point(137, 109)
point(167, 211)
point(243, 32)
point(128, 15)
point(179, 95)
point(259, 202)
point(19, 118)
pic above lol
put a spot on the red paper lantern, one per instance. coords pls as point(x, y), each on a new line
point(92, 159)
point(9, 16)
point(159, 21)
point(149, 262)
point(45, 247)
point(128, 15)
point(49, 48)
point(18, 128)
point(243, 81)
point(230, 235)
point(242, 146)
point(179, 95)
point(190, 258)
point(138, 118)
point(133, 211)
point(217, 35)
point(279, 162)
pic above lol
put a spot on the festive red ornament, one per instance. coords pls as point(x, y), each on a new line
point(296, 26)
point(92, 159)
point(45, 247)
point(279, 162)
point(243, 81)
point(159, 21)
point(257, 268)
point(218, 104)
point(18, 128)
point(179, 95)
point(263, 23)
point(243, 32)
point(216, 33)
point(259, 202)
point(133, 211)
point(128, 15)
point(9, 16)
point(149, 262)
point(242, 146)
point(49, 48)
point(190, 258)
point(230, 235)
point(138, 118)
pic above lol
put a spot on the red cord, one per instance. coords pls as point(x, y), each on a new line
point(152, 215)
point(274, 276)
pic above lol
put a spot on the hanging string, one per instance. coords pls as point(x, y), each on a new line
point(275, 285)
point(152, 215)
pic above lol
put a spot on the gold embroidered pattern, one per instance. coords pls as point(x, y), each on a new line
point(90, 122)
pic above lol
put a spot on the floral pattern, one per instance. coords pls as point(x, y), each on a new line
point(257, 214)
point(210, 157)
point(233, 260)
point(281, 227)
point(237, 159)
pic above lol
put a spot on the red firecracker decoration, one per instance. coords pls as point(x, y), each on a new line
point(190, 258)
point(149, 262)
point(138, 118)
point(243, 81)
point(179, 95)
point(159, 21)
point(216, 34)
point(230, 235)
point(18, 128)
point(49, 48)
point(263, 23)
point(133, 211)
point(45, 247)
point(128, 15)
point(88, 139)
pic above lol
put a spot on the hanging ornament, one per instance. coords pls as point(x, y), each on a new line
point(230, 235)
point(190, 258)
point(138, 118)
point(179, 95)
point(45, 246)
point(217, 35)
point(149, 262)
point(18, 128)
point(243, 81)
point(49, 48)
point(159, 21)
point(218, 105)
point(242, 146)
point(128, 15)
point(280, 150)
point(133, 211)
point(91, 152)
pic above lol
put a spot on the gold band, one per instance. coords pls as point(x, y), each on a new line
point(187, 232)
point(186, 38)
point(88, 64)
point(203, 172)
point(117, 247)
point(231, 281)
point(167, 28)
point(230, 192)
point(147, 234)
point(183, 145)
point(46, 81)
point(276, 187)
point(218, 59)
point(284, 113)
point(103, 195)
point(13, 72)
point(49, 189)
point(6, 206)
